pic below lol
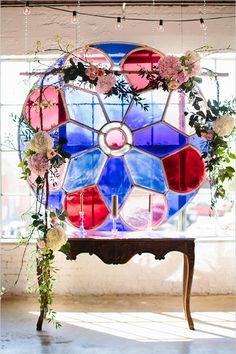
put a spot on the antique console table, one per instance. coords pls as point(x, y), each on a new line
point(121, 249)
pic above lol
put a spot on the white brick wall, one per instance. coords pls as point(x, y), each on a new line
point(45, 24)
point(214, 272)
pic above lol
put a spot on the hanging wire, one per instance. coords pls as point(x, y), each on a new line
point(78, 27)
point(139, 18)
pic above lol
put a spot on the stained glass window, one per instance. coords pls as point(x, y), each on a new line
point(118, 148)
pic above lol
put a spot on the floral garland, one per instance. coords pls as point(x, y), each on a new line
point(213, 122)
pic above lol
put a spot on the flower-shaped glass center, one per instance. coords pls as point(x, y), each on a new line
point(115, 139)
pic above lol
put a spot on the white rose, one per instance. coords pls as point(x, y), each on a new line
point(56, 238)
point(41, 142)
point(224, 125)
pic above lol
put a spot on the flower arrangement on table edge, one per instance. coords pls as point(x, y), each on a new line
point(213, 122)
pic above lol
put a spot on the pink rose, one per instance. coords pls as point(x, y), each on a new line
point(41, 244)
point(54, 221)
point(38, 164)
point(210, 135)
point(100, 72)
point(51, 153)
point(182, 77)
point(204, 136)
point(93, 72)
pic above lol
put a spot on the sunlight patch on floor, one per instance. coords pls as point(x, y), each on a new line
point(151, 327)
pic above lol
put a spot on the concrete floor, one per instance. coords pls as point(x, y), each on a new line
point(121, 324)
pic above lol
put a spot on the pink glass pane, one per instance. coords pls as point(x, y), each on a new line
point(184, 170)
point(144, 59)
point(91, 55)
point(55, 184)
point(95, 210)
point(115, 139)
point(135, 212)
point(52, 116)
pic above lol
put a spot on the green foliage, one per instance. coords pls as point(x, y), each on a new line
point(219, 155)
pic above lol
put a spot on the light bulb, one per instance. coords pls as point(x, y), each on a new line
point(74, 19)
point(160, 28)
point(203, 26)
point(26, 10)
point(118, 25)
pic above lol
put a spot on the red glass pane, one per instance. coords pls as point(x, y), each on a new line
point(95, 210)
point(53, 115)
point(185, 170)
point(144, 59)
point(115, 139)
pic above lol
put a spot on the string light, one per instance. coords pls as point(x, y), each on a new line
point(74, 19)
point(118, 25)
point(203, 25)
point(26, 10)
point(123, 10)
point(160, 28)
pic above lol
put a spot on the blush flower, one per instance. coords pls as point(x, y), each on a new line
point(51, 153)
point(54, 221)
point(41, 142)
point(93, 72)
point(169, 67)
point(56, 238)
point(105, 83)
point(224, 125)
point(41, 244)
point(173, 85)
point(38, 164)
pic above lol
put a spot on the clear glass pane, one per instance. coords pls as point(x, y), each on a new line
point(11, 173)
point(227, 84)
point(9, 129)
point(13, 210)
point(199, 223)
point(14, 87)
point(85, 108)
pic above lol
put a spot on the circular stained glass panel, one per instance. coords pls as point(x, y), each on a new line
point(118, 148)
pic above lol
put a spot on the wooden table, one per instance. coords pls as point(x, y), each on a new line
point(121, 249)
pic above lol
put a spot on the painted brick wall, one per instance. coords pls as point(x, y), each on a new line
point(214, 272)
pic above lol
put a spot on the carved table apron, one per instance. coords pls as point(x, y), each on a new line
point(121, 249)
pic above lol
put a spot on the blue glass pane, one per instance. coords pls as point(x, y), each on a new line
point(114, 180)
point(200, 144)
point(78, 138)
point(138, 118)
point(146, 170)
point(85, 108)
point(160, 140)
point(177, 201)
point(55, 200)
point(120, 226)
point(116, 107)
point(84, 170)
point(116, 51)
